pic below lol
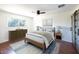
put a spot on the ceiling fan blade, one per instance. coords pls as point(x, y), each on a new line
point(42, 12)
point(61, 5)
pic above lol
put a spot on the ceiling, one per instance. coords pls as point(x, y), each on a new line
point(49, 7)
point(28, 9)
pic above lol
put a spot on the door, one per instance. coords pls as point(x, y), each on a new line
point(77, 30)
point(73, 31)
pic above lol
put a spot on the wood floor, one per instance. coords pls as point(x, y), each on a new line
point(65, 48)
point(6, 49)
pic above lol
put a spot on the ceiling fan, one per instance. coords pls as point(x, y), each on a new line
point(38, 12)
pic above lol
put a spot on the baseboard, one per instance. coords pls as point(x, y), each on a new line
point(4, 42)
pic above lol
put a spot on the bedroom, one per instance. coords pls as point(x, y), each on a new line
point(32, 17)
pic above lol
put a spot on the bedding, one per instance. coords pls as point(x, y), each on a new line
point(41, 37)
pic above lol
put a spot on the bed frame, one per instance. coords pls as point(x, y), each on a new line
point(37, 44)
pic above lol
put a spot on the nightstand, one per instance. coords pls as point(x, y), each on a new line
point(58, 35)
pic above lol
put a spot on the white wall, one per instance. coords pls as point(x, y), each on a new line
point(5, 17)
point(37, 21)
point(62, 19)
point(59, 19)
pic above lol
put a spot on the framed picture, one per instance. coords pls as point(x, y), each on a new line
point(16, 22)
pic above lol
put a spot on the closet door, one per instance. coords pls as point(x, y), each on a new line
point(73, 31)
point(77, 30)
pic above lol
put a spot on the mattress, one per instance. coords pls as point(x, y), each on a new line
point(41, 37)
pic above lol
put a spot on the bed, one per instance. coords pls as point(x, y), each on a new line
point(41, 39)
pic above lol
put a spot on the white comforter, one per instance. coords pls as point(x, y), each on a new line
point(41, 37)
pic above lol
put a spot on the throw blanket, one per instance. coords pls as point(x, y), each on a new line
point(45, 34)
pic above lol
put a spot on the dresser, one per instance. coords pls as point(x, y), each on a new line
point(17, 35)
